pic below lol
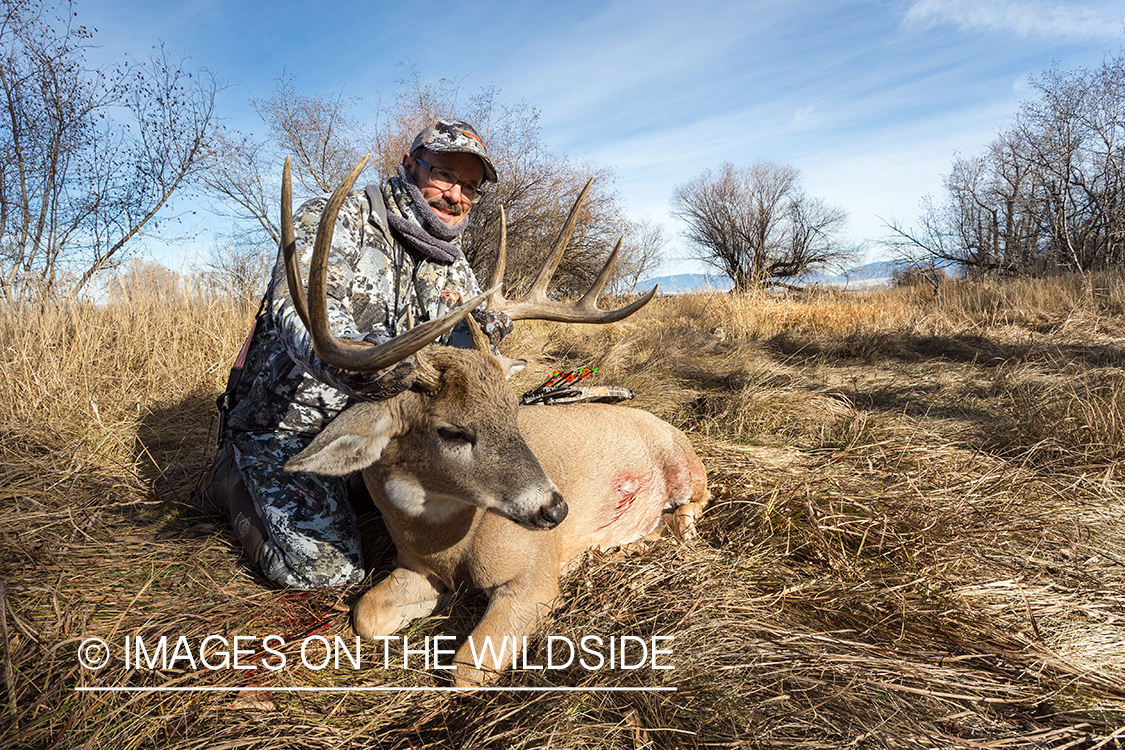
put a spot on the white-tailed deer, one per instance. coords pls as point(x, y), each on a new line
point(475, 490)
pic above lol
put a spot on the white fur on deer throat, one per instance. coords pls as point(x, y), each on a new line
point(411, 498)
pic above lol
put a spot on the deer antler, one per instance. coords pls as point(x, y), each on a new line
point(357, 356)
point(362, 356)
point(535, 305)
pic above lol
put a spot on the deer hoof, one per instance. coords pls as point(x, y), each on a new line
point(683, 521)
point(466, 676)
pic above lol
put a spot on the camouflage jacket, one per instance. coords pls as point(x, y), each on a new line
point(374, 282)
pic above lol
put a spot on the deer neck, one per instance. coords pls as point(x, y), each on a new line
point(426, 522)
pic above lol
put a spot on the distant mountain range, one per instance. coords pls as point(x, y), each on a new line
point(870, 276)
point(686, 283)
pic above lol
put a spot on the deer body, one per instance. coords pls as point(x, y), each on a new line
point(478, 492)
point(619, 469)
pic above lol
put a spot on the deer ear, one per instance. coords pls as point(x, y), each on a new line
point(511, 366)
point(351, 442)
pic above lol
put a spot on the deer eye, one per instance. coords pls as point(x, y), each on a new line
point(455, 435)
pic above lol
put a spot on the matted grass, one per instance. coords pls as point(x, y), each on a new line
point(917, 538)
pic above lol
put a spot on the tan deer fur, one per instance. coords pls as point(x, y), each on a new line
point(477, 491)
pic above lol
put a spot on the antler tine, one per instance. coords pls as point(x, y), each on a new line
point(538, 289)
point(289, 249)
point(535, 305)
point(589, 301)
point(477, 336)
point(358, 356)
point(501, 256)
point(590, 298)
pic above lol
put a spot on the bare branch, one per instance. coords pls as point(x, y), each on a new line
point(756, 225)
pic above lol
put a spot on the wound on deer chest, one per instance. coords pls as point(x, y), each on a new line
point(635, 501)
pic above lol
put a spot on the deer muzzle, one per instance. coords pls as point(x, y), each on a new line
point(553, 513)
point(543, 517)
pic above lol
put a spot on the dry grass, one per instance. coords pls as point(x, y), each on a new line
point(917, 538)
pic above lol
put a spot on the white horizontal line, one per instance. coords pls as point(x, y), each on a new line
point(265, 689)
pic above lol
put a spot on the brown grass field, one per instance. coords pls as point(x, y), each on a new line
point(917, 537)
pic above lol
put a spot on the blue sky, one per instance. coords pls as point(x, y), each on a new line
point(869, 100)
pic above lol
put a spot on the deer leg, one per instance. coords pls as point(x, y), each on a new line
point(398, 600)
point(679, 521)
point(688, 495)
point(496, 641)
point(684, 518)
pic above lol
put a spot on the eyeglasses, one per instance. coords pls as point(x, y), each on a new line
point(445, 180)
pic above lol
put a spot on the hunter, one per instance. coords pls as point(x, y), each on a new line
point(395, 257)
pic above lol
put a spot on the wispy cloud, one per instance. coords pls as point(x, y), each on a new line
point(1057, 20)
point(806, 116)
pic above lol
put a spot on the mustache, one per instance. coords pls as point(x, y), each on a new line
point(456, 209)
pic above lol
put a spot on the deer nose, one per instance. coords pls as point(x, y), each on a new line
point(553, 514)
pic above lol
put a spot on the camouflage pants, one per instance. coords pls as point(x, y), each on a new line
point(313, 538)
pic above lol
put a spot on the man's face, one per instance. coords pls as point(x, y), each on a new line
point(449, 204)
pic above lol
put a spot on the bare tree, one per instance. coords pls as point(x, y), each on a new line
point(78, 182)
point(757, 225)
point(1075, 136)
point(1048, 195)
point(243, 171)
point(240, 174)
point(172, 112)
point(987, 224)
point(238, 272)
point(320, 133)
point(921, 252)
point(642, 256)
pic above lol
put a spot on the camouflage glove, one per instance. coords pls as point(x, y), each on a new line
point(496, 325)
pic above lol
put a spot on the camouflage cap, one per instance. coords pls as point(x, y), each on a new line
point(453, 136)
